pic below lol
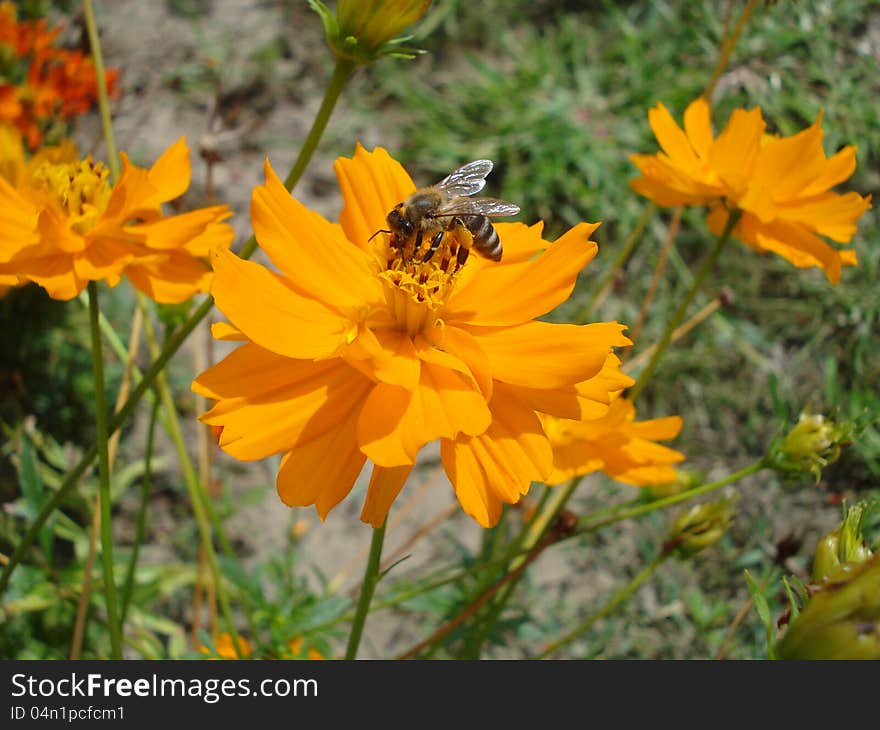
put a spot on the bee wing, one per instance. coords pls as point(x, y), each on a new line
point(477, 206)
point(468, 179)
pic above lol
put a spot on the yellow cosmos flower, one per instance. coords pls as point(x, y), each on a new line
point(63, 225)
point(616, 444)
point(782, 184)
point(353, 353)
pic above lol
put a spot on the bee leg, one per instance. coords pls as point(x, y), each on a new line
point(435, 244)
point(418, 244)
point(461, 257)
point(465, 239)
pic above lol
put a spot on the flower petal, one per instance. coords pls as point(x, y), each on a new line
point(547, 355)
point(500, 465)
point(323, 470)
point(268, 403)
point(385, 485)
point(519, 292)
point(259, 304)
point(312, 252)
point(396, 423)
point(698, 126)
point(372, 183)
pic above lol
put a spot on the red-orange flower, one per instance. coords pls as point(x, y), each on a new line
point(63, 225)
point(615, 444)
point(354, 352)
point(782, 185)
point(46, 84)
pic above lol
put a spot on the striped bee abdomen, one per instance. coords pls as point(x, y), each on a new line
point(486, 240)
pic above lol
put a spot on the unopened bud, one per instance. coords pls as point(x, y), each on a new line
point(698, 528)
point(841, 620)
point(685, 479)
point(813, 443)
point(844, 544)
point(363, 30)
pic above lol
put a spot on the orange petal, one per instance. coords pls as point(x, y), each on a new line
point(174, 278)
point(323, 470)
point(520, 292)
point(698, 126)
point(500, 465)
point(176, 231)
point(385, 355)
point(288, 403)
point(385, 485)
point(259, 304)
point(546, 355)
point(170, 174)
point(312, 252)
point(671, 137)
point(735, 151)
point(472, 485)
point(787, 165)
point(372, 183)
point(396, 423)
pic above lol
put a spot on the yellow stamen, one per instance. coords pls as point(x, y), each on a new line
point(415, 290)
point(80, 188)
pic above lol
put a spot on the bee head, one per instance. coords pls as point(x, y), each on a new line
point(399, 221)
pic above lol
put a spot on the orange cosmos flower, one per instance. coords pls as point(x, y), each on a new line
point(63, 225)
point(782, 185)
point(616, 444)
point(353, 353)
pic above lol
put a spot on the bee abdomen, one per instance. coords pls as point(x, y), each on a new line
point(486, 239)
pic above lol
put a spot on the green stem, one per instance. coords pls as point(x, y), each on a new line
point(585, 524)
point(551, 505)
point(104, 475)
point(616, 600)
point(619, 262)
point(194, 488)
point(141, 529)
point(101, 80)
point(677, 318)
point(341, 74)
point(371, 577)
point(172, 345)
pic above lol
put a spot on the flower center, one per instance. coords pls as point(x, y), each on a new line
point(80, 188)
point(416, 290)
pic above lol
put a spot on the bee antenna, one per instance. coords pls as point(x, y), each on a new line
point(381, 230)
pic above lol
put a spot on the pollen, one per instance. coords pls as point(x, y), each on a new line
point(81, 189)
point(416, 290)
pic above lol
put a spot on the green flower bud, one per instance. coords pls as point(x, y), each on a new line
point(844, 544)
point(364, 30)
point(685, 479)
point(841, 620)
point(698, 528)
point(813, 443)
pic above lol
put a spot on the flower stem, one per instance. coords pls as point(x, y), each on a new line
point(666, 338)
point(727, 46)
point(616, 600)
point(588, 523)
point(104, 475)
point(194, 488)
point(141, 529)
point(101, 80)
point(341, 73)
point(371, 577)
point(173, 343)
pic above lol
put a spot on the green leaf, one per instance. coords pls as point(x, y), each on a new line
point(763, 610)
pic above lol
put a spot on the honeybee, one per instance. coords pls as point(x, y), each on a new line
point(445, 211)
